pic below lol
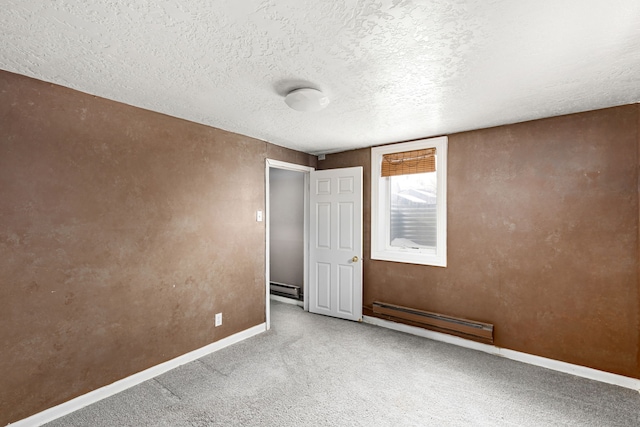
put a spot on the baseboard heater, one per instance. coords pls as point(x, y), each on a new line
point(470, 329)
point(292, 291)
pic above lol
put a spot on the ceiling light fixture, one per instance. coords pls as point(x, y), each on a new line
point(306, 99)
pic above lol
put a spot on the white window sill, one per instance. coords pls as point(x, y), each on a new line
point(410, 258)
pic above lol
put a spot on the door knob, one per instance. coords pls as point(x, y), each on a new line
point(354, 259)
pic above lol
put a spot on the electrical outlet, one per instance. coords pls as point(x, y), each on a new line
point(218, 319)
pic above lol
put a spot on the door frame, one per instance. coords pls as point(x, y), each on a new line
point(277, 164)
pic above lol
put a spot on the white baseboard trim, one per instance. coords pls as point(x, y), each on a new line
point(556, 365)
point(286, 300)
point(109, 390)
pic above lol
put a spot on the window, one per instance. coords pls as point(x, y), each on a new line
point(409, 202)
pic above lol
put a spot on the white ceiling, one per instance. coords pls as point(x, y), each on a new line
point(394, 69)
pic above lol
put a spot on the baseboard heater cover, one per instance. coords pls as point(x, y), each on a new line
point(461, 327)
point(285, 290)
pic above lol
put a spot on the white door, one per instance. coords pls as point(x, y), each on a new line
point(335, 243)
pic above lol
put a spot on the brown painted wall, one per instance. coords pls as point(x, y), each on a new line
point(542, 238)
point(122, 232)
point(638, 253)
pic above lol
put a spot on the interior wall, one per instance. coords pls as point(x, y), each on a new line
point(286, 219)
point(122, 233)
point(542, 238)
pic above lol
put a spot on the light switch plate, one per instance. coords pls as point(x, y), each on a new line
point(259, 216)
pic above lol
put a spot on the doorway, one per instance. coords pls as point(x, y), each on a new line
point(287, 235)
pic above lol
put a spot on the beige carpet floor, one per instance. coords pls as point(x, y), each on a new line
point(311, 370)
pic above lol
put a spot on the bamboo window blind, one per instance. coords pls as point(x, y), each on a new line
point(409, 162)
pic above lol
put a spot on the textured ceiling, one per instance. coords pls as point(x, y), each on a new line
point(394, 69)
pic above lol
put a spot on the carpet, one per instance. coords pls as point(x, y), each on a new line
point(312, 370)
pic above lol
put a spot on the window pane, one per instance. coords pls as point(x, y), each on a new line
point(413, 210)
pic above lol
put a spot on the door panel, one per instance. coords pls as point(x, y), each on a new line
point(345, 226)
point(323, 228)
point(323, 290)
point(335, 253)
point(345, 289)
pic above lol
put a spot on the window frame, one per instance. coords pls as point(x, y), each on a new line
point(380, 207)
